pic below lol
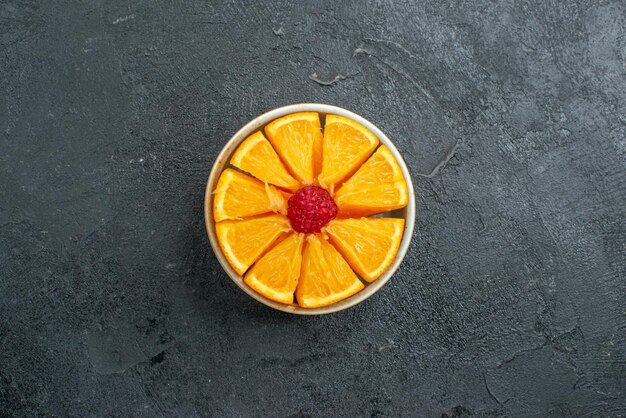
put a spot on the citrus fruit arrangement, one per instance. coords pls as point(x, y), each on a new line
point(293, 212)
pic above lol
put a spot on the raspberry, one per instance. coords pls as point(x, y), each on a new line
point(310, 209)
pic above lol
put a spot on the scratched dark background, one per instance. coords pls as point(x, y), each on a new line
point(511, 116)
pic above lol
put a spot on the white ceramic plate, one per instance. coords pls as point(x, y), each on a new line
point(408, 213)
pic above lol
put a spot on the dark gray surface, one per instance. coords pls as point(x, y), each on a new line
point(512, 300)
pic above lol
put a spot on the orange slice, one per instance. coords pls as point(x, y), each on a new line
point(326, 277)
point(238, 195)
point(369, 244)
point(317, 269)
point(378, 186)
point(276, 274)
point(256, 156)
point(347, 144)
point(297, 138)
point(375, 199)
point(242, 242)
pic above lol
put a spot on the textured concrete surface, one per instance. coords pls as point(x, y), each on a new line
point(511, 116)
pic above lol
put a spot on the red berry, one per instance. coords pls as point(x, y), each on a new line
point(310, 208)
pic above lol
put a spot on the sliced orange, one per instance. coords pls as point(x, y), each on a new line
point(376, 199)
point(369, 244)
point(297, 138)
point(256, 156)
point(326, 277)
point(244, 241)
point(316, 269)
point(238, 195)
point(378, 186)
point(347, 144)
point(276, 274)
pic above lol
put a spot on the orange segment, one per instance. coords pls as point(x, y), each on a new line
point(378, 186)
point(326, 277)
point(256, 156)
point(346, 145)
point(376, 199)
point(276, 274)
point(297, 138)
point(238, 195)
point(242, 242)
point(369, 244)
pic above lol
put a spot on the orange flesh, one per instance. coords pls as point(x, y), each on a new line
point(326, 277)
point(238, 196)
point(297, 139)
point(276, 274)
